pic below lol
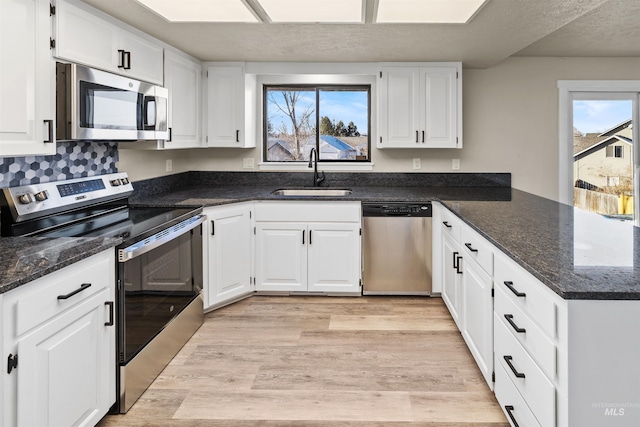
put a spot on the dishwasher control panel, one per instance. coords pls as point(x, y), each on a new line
point(397, 209)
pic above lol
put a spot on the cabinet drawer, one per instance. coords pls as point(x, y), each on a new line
point(451, 224)
point(476, 247)
point(315, 211)
point(40, 300)
point(527, 293)
point(528, 334)
point(535, 387)
point(511, 402)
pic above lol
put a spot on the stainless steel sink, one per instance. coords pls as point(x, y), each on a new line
point(312, 192)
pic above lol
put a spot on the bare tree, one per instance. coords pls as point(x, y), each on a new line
point(300, 124)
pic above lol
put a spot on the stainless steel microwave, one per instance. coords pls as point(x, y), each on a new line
point(96, 105)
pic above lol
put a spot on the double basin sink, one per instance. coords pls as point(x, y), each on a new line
point(311, 192)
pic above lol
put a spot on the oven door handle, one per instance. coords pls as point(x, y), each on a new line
point(159, 239)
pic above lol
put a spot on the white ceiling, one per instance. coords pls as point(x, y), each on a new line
point(501, 29)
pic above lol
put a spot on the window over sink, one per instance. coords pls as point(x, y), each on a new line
point(333, 119)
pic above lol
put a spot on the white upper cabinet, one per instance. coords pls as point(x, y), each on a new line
point(420, 107)
point(27, 79)
point(86, 38)
point(226, 94)
point(183, 78)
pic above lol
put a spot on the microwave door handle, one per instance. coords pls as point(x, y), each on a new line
point(151, 243)
point(150, 112)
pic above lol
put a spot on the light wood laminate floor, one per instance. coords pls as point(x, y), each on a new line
point(321, 362)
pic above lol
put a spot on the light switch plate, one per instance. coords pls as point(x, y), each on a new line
point(169, 165)
point(416, 163)
point(455, 164)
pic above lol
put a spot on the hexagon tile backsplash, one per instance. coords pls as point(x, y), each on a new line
point(74, 159)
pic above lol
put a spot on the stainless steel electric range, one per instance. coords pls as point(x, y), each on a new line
point(159, 266)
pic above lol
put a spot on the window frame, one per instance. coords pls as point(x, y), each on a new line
point(577, 89)
point(317, 87)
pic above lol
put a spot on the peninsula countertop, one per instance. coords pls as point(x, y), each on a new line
point(577, 254)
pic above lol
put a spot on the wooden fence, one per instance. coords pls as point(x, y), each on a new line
point(594, 201)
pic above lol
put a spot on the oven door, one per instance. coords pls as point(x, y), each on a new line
point(157, 278)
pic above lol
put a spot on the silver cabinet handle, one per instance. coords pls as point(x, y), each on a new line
point(51, 139)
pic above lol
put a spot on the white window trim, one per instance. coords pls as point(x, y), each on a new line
point(324, 166)
point(352, 79)
point(565, 132)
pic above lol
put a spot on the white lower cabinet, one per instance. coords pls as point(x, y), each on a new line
point(308, 247)
point(61, 330)
point(451, 278)
point(477, 315)
point(281, 256)
point(230, 248)
point(511, 402)
point(333, 258)
point(467, 288)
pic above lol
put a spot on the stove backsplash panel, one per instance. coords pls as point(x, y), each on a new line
point(74, 159)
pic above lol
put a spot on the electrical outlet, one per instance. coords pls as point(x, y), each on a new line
point(247, 163)
point(169, 165)
point(416, 163)
point(455, 164)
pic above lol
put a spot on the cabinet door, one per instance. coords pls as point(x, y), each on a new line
point(183, 79)
point(438, 107)
point(399, 108)
point(145, 59)
point(226, 107)
point(451, 275)
point(281, 256)
point(334, 257)
point(229, 254)
point(88, 39)
point(477, 316)
point(85, 38)
point(27, 79)
point(66, 374)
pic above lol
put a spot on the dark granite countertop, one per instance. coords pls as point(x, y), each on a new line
point(24, 259)
point(212, 196)
point(578, 255)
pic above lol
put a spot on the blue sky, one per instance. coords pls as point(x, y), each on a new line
point(593, 116)
point(337, 105)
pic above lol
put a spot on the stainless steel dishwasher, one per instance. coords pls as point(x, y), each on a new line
point(397, 251)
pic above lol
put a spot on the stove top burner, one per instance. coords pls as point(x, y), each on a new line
point(60, 216)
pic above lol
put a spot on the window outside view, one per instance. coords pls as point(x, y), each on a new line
point(603, 157)
point(334, 120)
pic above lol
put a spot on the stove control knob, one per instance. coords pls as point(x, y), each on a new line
point(25, 199)
point(124, 181)
point(115, 182)
point(41, 196)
